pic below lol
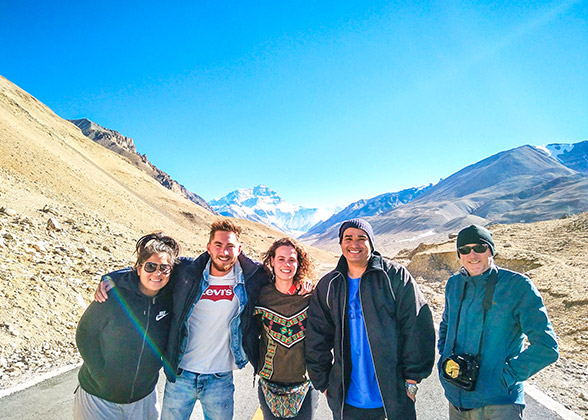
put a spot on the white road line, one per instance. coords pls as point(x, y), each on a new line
point(549, 403)
point(38, 379)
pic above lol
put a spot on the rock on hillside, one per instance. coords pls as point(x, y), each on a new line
point(125, 147)
point(553, 254)
point(110, 139)
point(52, 260)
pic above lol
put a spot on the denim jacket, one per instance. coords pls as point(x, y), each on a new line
point(235, 323)
point(190, 279)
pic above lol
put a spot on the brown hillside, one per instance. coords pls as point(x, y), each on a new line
point(71, 210)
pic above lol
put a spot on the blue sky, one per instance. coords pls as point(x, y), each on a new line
point(325, 102)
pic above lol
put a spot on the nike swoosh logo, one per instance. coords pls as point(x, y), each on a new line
point(161, 315)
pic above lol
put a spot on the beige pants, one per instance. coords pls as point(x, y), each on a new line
point(489, 412)
point(91, 407)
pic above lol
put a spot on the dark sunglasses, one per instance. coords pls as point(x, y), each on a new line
point(478, 249)
point(150, 267)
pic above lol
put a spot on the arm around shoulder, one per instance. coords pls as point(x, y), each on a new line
point(107, 282)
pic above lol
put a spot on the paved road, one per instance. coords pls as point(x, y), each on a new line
point(52, 400)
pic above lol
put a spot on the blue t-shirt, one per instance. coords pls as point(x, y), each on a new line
point(363, 389)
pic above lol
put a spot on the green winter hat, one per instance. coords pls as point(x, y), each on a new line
point(475, 234)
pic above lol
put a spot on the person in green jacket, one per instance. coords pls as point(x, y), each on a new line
point(488, 313)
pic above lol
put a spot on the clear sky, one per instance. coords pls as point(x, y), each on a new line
point(326, 102)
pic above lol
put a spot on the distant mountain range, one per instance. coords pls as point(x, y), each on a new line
point(125, 147)
point(370, 207)
point(525, 184)
point(262, 204)
point(574, 156)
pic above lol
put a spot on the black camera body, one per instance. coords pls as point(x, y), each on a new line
point(461, 370)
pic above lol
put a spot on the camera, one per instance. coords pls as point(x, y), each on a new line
point(461, 370)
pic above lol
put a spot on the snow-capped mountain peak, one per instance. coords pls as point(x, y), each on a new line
point(262, 204)
point(556, 149)
point(574, 156)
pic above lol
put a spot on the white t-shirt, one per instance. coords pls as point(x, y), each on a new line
point(208, 345)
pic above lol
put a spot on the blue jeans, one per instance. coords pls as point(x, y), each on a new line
point(215, 392)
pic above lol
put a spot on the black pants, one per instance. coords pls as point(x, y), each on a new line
point(404, 412)
point(353, 413)
point(306, 412)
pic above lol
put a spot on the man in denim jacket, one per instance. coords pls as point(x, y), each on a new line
point(492, 335)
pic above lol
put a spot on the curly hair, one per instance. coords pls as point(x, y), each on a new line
point(155, 243)
point(305, 262)
point(225, 225)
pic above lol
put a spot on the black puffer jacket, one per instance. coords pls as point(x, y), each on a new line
point(399, 328)
point(122, 341)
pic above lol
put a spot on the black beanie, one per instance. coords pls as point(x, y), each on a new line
point(358, 224)
point(475, 234)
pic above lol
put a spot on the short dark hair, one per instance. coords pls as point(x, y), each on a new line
point(305, 263)
point(225, 225)
point(154, 243)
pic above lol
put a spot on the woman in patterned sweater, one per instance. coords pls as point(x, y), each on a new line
point(284, 388)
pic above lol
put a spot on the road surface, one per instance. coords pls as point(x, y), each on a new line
point(52, 400)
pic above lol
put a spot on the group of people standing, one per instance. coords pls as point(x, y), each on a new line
point(364, 336)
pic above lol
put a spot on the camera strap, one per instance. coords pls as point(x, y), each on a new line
point(486, 305)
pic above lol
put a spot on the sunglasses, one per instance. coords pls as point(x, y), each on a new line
point(151, 267)
point(478, 249)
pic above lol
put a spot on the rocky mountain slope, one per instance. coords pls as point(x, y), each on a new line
point(262, 204)
point(71, 210)
point(519, 185)
point(125, 147)
point(375, 206)
point(574, 156)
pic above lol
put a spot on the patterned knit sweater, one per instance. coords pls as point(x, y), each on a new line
point(281, 348)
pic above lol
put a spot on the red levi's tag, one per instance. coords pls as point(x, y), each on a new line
point(218, 292)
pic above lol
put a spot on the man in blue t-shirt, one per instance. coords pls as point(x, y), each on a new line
point(369, 313)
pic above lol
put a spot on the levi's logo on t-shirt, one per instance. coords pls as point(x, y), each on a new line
point(218, 292)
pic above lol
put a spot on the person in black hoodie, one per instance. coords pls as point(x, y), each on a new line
point(122, 341)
